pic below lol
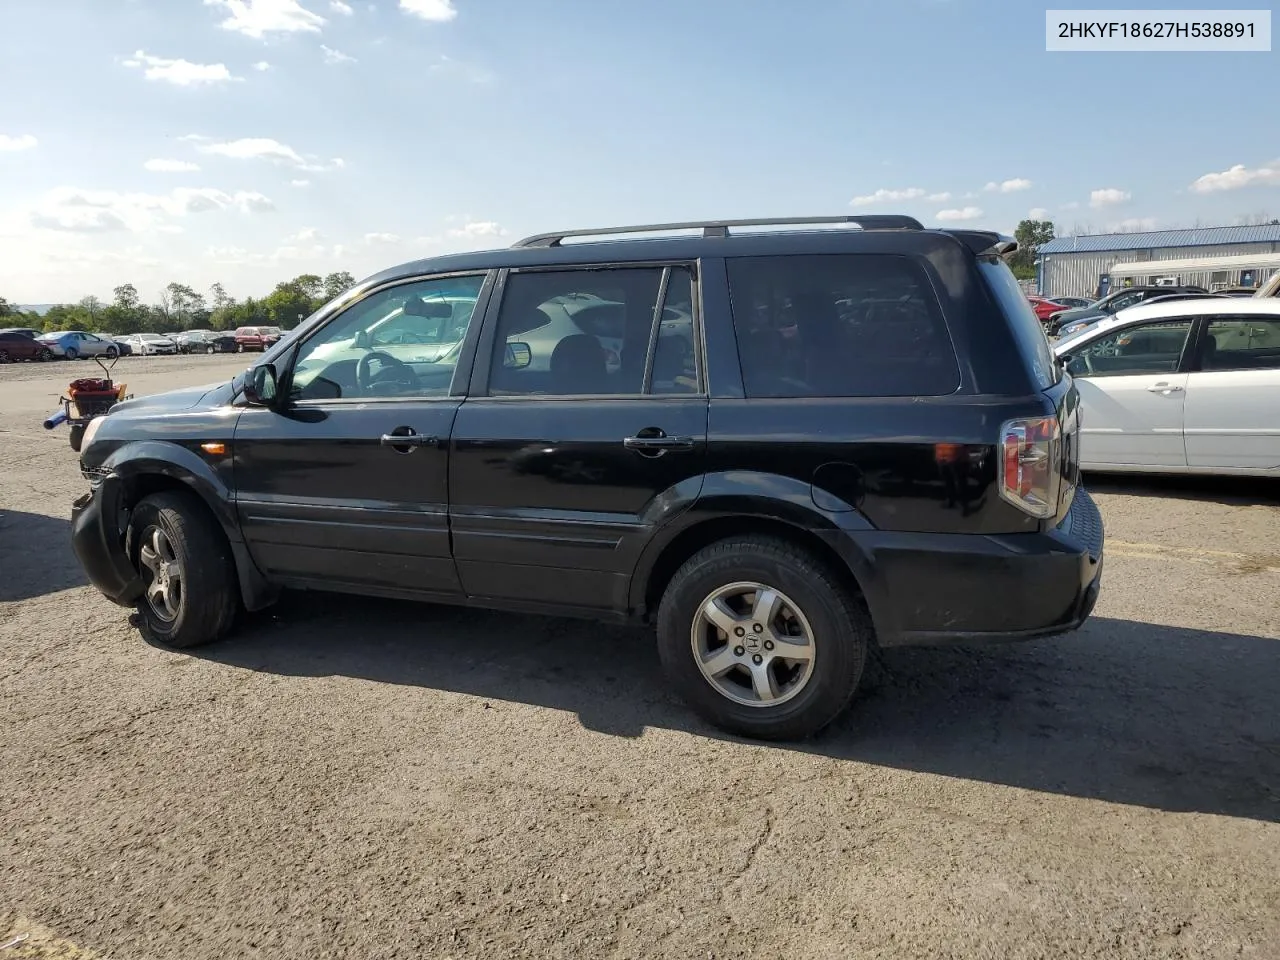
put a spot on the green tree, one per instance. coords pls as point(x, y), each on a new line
point(5, 309)
point(126, 297)
point(293, 300)
point(336, 284)
point(1031, 236)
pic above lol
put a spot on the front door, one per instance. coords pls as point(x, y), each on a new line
point(1233, 396)
point(1132, 395)
point(346, 483)
point(585, 431)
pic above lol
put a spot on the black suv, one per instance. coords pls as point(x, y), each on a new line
point(782, 448)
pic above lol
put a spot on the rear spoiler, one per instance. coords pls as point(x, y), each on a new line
point(985, 243)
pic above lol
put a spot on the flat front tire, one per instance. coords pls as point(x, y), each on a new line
point(762, 639)
point(185, 561)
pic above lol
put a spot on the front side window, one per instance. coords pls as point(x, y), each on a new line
point(401, 341)
point(1149, 348)
point(566, 333)
point(844, 325)
point(1241, 343)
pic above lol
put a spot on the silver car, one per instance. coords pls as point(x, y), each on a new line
point(76, 344)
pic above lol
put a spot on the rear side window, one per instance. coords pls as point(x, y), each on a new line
point(1033, 345)
point(844, 325)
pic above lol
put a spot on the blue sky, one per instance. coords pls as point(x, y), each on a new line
point(246, 141)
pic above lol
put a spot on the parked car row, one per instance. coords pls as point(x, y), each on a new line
point(26, 343)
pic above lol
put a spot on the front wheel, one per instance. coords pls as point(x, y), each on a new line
point(46, 355)
point(73, 354)
point(762, 639)
point(112, 353)
point(76, 436)
point(209, 348)
point(4, 356)
point(239, 348)
point(185, 561)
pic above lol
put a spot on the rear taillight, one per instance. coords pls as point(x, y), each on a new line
point(1030, 472)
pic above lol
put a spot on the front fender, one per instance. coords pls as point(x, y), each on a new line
point(162, 458)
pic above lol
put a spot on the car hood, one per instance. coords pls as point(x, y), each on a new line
point(1078, 313)
point(209, 395)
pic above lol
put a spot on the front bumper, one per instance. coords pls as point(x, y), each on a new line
point(99, 545)
point(962, 587)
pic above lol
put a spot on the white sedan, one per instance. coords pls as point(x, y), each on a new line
point(1182, 386)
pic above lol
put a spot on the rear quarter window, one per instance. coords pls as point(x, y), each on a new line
point(1033, 344)
point(840, 325)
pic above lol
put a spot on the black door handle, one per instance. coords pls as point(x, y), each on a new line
point(405, 439)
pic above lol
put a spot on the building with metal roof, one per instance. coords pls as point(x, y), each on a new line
point(1081, 266)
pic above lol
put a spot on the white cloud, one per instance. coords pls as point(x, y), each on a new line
point(1237, 177)
point(1132, 225)
point(171, 166)
point(337, 6)
point(182, 73)
point(255, 148)
point(262, 66)
point(1038, 213)
point(942, 197)
point(1108, 197)
point(257, 18)
point(383, 238)
point(332, 56)
point(965, 213)
point(438, 11)
point(96, 211)
point(887, 196)
point(299, 183)
point(1008, 186)
point(10, 144)
point(304, 235)
point(478, 228)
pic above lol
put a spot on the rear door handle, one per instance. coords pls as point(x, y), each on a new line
point(1163, 388)
point(653, 442)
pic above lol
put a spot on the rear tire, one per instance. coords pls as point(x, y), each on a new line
point(812, 600)
point(112, 353)
point(73, 354)
point(184, 558)
point(4, 356)
point(76, 436)
point(209, 349)
point(46, 355)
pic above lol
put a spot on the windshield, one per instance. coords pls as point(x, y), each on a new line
point(1032, 342)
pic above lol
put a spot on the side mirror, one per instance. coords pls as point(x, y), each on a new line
point(517, 356)
point(260, 385)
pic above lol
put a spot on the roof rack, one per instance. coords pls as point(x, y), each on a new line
point(720, 228)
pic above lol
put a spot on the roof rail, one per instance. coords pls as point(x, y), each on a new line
point(720, 228)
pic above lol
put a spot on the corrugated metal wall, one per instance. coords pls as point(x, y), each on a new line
point(1076, 274)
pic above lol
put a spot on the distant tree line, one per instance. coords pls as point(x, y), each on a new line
point(182, 308)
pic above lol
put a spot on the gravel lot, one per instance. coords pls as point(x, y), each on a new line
point(350, 778)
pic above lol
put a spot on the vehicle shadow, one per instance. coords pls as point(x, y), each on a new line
point(1133, 713)
point(1233, 491)
point(35, 556)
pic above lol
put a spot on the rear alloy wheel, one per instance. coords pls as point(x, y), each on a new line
point(73, 353)
point(4, 356)
point(762, 639)
point(46, 355)
point(209, 348)
point(112, 353)
point(190, 597)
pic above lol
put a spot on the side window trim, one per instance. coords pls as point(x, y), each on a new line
point(465, 356)
point(1196, 363)
point(486, 343)
point(1190, 345)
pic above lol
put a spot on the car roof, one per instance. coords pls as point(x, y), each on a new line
point(1176, 309)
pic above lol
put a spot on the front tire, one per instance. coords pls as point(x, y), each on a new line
point(184, 558)
point(73, 354)
point(209, 348)
point(762, 639)
point(112, 353)
point(76, 436)
point(46, 355)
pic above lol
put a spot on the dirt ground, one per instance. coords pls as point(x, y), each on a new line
point(354, 778)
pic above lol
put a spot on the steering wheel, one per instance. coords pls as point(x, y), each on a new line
point(400, 372)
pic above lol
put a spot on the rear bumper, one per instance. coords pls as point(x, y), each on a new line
point(941, 588)
point(96, 540)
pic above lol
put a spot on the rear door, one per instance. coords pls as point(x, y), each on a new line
point(1132, 391)
point(1233, 395)
point(575, 443)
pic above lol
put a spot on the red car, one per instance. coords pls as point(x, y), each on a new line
point(256, 338)
point(1044, 307)
point(18, 345)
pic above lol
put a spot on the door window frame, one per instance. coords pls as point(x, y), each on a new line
point(1190, 347)
point(461, 371)
point(478, 388)
point(1195, 361)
